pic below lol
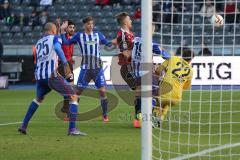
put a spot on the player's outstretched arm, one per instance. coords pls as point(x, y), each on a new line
point(73, 40)
point(161, 68)
point(104, 41)
point(157, 50)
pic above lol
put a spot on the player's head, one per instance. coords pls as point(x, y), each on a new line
point(124, 20)
point(88, 23)
point(50, 28)
point(70, 28)
point(187, 54)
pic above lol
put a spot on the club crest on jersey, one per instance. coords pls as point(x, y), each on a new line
point(91, 42)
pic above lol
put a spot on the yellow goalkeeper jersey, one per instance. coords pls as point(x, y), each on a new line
point(176, 76)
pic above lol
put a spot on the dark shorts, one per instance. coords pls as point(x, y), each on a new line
point(86, 75)
point(61, 71)
point(59, 84)
point(129, 77)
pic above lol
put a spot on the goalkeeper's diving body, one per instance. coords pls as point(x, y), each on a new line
point(175, 76)
point(47, 78)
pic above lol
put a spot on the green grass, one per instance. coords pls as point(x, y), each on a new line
point(118, 140)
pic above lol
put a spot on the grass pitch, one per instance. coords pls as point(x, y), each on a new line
point(47, 136)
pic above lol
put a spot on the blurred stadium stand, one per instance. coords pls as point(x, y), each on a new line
point(173, 34)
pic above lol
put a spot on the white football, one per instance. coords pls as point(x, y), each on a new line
point(217, 20)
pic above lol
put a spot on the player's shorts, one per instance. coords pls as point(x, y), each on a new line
point(61, 71)
point(86, 75)
point(129, 77)
point(59, 84)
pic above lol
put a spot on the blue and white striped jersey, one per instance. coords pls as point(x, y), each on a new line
point(137, 55)
point(46, 57)
point(89, 45)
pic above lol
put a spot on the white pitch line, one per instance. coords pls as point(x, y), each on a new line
point(10, 123)
point(206, 151)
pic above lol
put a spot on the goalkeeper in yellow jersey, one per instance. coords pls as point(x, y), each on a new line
point(175, 76)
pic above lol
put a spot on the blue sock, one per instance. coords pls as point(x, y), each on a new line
point(31, 110)
point(104, 104)
point(73, 115)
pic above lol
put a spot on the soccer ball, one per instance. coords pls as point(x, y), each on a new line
point(217, 20)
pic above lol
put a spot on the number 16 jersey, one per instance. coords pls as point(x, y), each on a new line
point(46, 58)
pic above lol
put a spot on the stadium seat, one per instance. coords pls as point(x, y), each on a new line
point(96, 8)
point(53, 16)
point(60, 2)
point(198, 30)
point(8, 41)
point(7, 35)
point(80, 1)
point(71, 2)
point(166, 40)
point(188, 40)
point(237, 52)
point(14, 2)
point(228, 40)
point(177, 29)
point(17, 10)
point(129, 8)
point(187, 30)
point(37, 29)
point(26, 2)
point(27, 10)
point(166, 29)
point(117, 9)
point(29, 35)
point(237, 29)
point(176, 40)
point(26, 29)
point(187, 19)
point(15, 29)
point(62, 8)
point(198, 19)
point(208, 40)
point(237, 40)
point(218, 40)
point(4, 29)
point(18, 35)
point(2, 23)
point(197, 41)
point(40, 9)
point(107, 8)
point(51, 9)
point(218, 31)
point(217, 51)
point(208, 29)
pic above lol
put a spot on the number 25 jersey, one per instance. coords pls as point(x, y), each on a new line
point(46, 58)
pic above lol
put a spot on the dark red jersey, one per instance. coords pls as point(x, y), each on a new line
point(68, 49)
point(125, 42)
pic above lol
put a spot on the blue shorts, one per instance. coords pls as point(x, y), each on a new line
point(86, 75)
point(59, 84)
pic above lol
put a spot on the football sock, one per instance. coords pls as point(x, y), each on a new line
point(73, 115)
point(137, 106)
point(104, 104)
point(31, 110)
